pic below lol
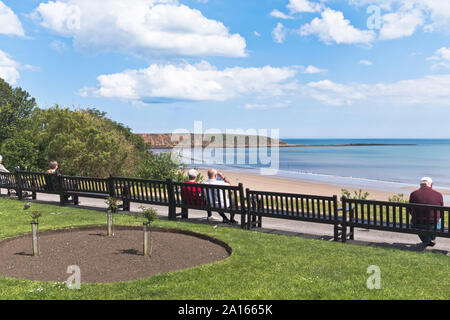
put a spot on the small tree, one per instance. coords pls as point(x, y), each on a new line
point(35, 215)
point(113, 205)
point(150, 215)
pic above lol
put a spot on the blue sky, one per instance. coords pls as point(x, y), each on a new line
point(311, 69)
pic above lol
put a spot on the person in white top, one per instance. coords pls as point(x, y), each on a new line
point(219, 199)
point(2, 167)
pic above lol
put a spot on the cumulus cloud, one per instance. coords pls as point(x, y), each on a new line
point(9, 22)
point(442, 58)
point(313, 70)
point(192, 82)
point(143, 27)
point(279, 33)
point(365, 62)
point(429, 90)
point(58, 46)
point(400, 24)
point(258, 106)
point(296, 6)
point(280, 15)
point(436, 12)
point(332, 27)
point(9, 69)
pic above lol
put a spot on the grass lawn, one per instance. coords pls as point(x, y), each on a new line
point(262, 266)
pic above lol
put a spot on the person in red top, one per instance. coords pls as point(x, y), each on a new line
point(192, 195)
point(424, 219)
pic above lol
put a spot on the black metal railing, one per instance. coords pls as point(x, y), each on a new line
point(251, 205)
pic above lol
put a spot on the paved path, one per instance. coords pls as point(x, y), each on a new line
point(289, 227)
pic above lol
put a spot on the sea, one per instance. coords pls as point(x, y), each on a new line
point(392, 165)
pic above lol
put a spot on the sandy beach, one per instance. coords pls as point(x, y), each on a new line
point(277, 184)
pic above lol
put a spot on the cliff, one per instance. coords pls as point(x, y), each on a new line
point(164, 140)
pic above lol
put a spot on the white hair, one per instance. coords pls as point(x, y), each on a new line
point(192, 173)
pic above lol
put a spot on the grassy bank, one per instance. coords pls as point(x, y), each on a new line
point(262, 266)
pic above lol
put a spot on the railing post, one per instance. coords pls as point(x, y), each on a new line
point(62, 199)
point(172, 204)
point(244, 210)
point(249, 209)
point(111, 189)
point(336, 218)
point(344, 219)
point(19, 185)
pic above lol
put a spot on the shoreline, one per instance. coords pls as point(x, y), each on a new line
point(299, 186)
point(280, 184)
point(296, 146)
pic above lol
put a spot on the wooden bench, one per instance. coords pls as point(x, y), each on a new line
point(8, 182)
point(393, 217)
point(207, 197)
point(153, 192)
point(290, 206)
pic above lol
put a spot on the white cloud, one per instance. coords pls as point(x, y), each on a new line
point(198, 82)
point(437, 12)
point(279, 33)
point(304, 6)
point(400, 24)
point(256, 106)
point(429, 90)
point(9, 69)
point(365, 62)
point(313, 70)
point(143, 27)
point(250, 106)
point(58, 46)
point(9, 22)
point(278, 14)
point(256, 33)
point(332, 27)
point(442, 56)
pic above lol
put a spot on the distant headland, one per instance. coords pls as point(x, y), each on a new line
point(166, 141)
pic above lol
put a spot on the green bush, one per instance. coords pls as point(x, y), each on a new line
point(84, 142)
point(357, 195)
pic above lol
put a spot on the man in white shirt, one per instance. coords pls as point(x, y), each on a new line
point(219, 200)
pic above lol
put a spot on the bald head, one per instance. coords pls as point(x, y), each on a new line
point(212, 173)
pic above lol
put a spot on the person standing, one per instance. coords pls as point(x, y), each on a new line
point(424, 219)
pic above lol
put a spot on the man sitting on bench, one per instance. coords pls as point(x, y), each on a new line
point(221, 201)
point(424, 219)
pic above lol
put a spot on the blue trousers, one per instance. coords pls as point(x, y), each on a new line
point(427, 238)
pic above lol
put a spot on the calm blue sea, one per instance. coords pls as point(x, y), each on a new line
point(391, 168)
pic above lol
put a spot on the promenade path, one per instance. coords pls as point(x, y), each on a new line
point(286, 227)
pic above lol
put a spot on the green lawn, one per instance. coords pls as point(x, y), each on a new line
point(262, 266)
